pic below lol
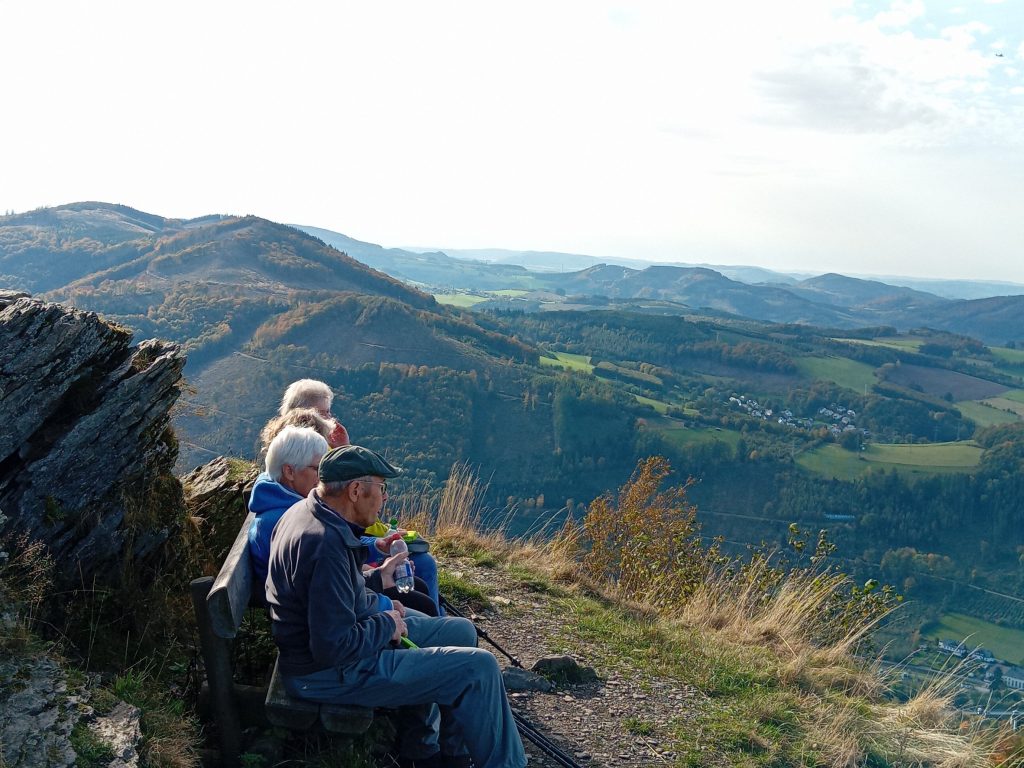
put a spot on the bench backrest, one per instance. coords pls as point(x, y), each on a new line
point(232, 589)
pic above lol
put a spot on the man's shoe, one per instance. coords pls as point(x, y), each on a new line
point(462, 761)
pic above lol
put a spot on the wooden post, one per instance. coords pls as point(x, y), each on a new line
point(217, 656)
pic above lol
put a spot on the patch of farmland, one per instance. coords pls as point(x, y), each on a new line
point(905, 344)
point(569, 362)
point(938, 382)
point(658, 405)
point(985, 415)
point(1012, 356)
point(462, 300)
point(846, 373)
point(830, 460)
point(681, 436)
point(1006, 404)
point(961, 455)
point(1014, 394)
point(1004, 643)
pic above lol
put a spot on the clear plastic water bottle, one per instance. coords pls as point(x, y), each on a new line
point(403, 572)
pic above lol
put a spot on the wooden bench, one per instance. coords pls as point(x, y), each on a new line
point(220, 605)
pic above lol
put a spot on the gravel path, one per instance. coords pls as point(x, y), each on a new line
point(589, 720)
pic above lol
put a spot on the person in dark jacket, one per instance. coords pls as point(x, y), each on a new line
point(291, 473)
point(337, 645)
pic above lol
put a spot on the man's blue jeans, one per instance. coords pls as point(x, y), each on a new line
point(447, 669)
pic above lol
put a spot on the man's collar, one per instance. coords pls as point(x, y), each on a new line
point(356, 529)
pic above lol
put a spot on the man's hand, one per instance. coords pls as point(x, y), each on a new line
point(400, 628)
point(384, 543)
point(399, 607)
point(387, 569)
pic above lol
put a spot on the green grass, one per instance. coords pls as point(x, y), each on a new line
point(509, 292)
point(985, 415)
point(892, 342)
point(658, 405)
point(859, 377)
point(91, 751)
point(683, 436)
point(830, 460)
point(464, 300)
point(1012, 356)
point(1004, 642)
point(1006, 404)
point(960, 455)
point(1017, 395)
point(460, 591)
point(569, 362)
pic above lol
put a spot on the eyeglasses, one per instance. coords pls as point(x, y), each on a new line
point(383, 486)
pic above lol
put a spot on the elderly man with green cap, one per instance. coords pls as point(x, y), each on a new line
point(337, 645)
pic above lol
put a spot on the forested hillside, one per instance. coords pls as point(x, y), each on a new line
point(908, 446)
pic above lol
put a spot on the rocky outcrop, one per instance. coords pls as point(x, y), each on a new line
point(217, 496)
point(85, 439)
point(41, 714)
point(37, 714)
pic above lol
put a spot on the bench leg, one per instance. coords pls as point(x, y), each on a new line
point(217, 657)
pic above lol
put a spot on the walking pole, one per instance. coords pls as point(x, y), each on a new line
point(482, 633)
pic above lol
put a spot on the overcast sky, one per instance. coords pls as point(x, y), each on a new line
point(811, 135)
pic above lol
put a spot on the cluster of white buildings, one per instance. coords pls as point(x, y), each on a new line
point(751, 406)
point(841, 418)
point(1013, 677)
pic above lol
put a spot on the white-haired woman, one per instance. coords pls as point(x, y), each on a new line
point(310, 393)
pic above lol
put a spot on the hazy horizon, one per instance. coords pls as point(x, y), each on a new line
point(810, 136)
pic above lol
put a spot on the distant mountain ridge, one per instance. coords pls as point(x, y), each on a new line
point(554, 261)
point(832, 300)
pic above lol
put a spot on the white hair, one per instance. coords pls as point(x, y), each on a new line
point(297, 446)
point(305, 393)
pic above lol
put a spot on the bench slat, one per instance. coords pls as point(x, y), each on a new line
point(286, 712)
point(229, 596)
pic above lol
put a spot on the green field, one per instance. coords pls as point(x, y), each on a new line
point(859, 377)
point(830, 460)
point(509, 292)
point(569, 362)
point(658, 405)
point(893, 342)
point(463, 300)
point(1004, 642)
point(961, 455)
point(1012, 356)
point(683, 436)
point(1014, 394)
point(985, 415)
point(1014, 406)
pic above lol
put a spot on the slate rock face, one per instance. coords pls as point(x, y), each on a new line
point(85, 433)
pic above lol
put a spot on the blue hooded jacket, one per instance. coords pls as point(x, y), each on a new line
point(269, 500)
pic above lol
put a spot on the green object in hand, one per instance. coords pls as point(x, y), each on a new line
point(408, 643)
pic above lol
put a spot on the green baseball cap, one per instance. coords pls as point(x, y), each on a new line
point(351, 461)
